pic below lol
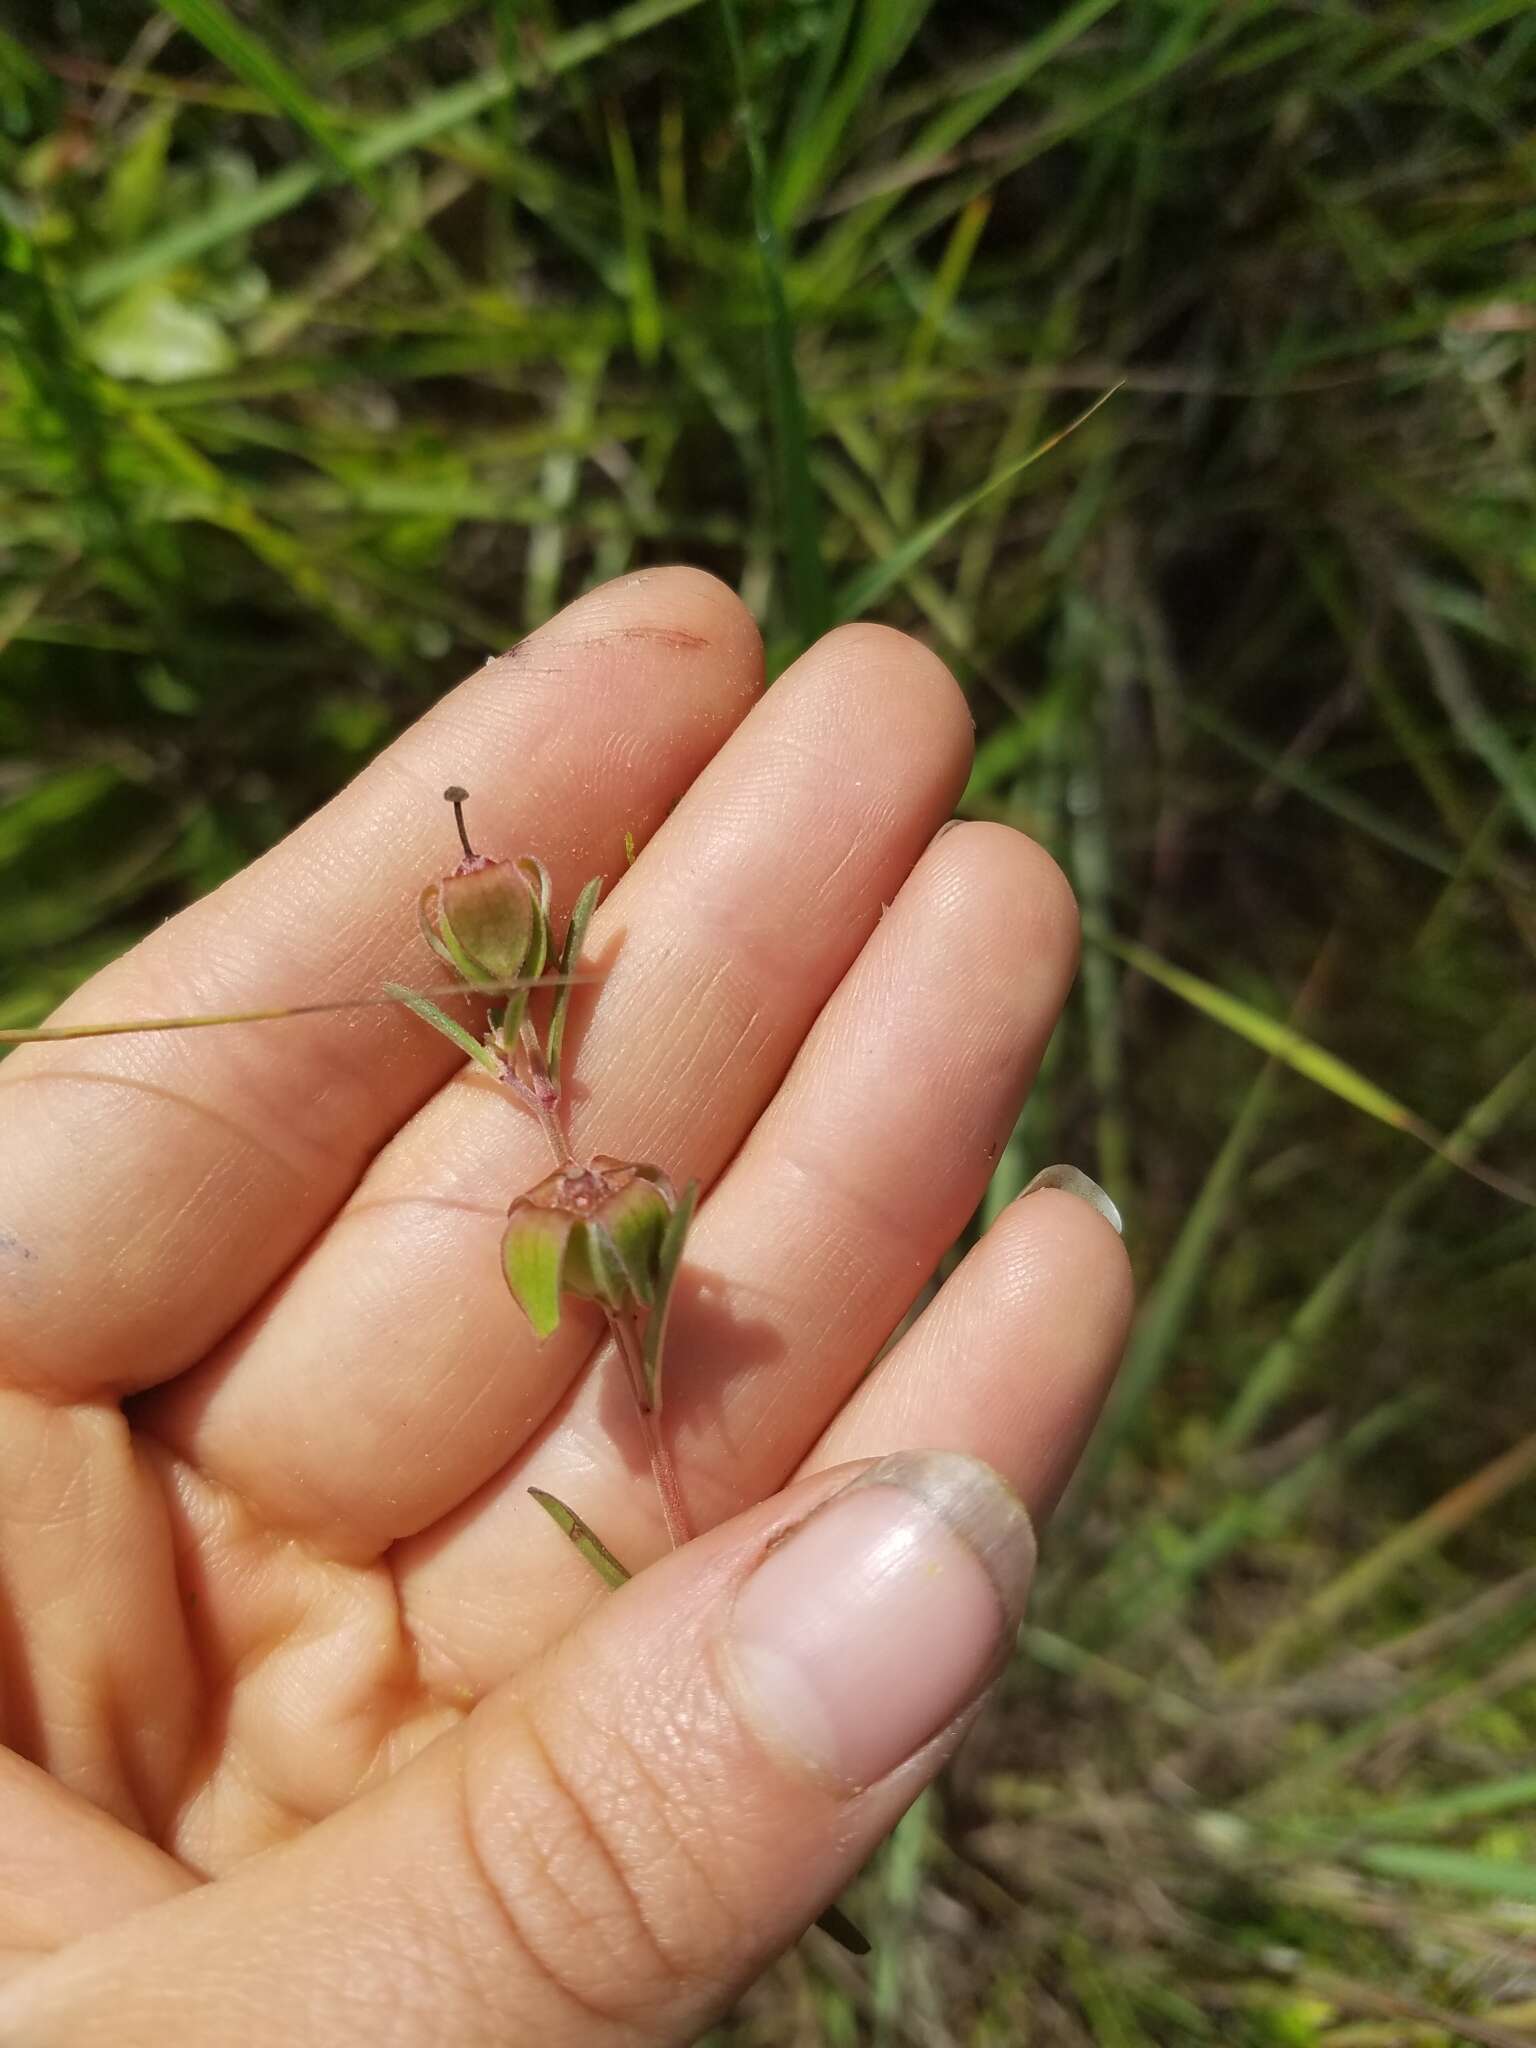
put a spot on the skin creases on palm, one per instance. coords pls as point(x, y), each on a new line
point(268, 1416)
point(209, 1681)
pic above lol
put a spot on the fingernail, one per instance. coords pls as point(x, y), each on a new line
point(1072, 1181)
point(872, 1624)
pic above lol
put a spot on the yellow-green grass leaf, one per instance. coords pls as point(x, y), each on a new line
point(872, 584)
point(586, 1542)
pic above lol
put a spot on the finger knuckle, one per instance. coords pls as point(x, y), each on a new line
point(593, 1869)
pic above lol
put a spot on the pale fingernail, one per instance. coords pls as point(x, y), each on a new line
point(878, 1619)
point(1073, 1181)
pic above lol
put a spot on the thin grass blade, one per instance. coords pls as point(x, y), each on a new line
point(800, 509)
point(871, 584)
point(585, 1540)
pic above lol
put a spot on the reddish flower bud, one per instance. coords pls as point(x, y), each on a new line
point(489, 919)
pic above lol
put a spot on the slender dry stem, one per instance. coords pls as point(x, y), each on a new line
point(679, 1528)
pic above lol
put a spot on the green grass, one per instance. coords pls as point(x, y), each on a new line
point(332, 358)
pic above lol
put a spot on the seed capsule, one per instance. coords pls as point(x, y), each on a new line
point(595, 1231)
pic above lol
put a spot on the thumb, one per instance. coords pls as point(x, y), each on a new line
point(611, 1846)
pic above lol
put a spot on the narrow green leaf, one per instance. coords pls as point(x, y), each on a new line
point(1478, 728)
point(1443, 1809)
point(1488, 1877)
point(1271, 1034)
point(635, 1223)
point(432, 115)
point(1169, 1304)
point(1271, 1376)
point(570, 953)
point(828, 110)
point(668, 1260)
point(646, 325)
point(1354, 810)
point(596, 1252)
point(259, 66)
point(431, 1014)
point(871, 584)
point(801, 508)
point(591, 1547)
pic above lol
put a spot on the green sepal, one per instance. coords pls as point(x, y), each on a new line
point(570, 952)
point(431, 1014)
point(591, 1547)
point(610, 1280)
point(634, 1222)
point(535, 1258)
point(536, 877)
point(668, 1259)
point(428, 910)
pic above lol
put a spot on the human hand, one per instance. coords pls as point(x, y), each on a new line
point(270, 1579)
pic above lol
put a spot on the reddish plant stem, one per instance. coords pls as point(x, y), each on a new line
point(535, 1090)
point(673, 1508)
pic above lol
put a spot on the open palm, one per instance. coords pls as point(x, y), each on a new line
point(269, 1414)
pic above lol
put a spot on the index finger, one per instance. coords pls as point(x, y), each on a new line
point(152, 1188)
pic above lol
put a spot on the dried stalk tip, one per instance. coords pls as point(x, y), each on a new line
point(458, 797)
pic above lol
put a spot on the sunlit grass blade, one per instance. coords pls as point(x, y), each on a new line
point(1282, 1041)
point(258, 64)
point(1158, 1568)
point(1344, 804)
point(1166, 1310)
point(1367, 1575)
point(950, 127)
point(1482, 732)
point(882, 31)
point(1475, 1801)
point(585, 1540)
point(873, 583)
point(434, 115)
point(800, 509)
point(646, 326)
point(1280, 1364)
point(1490, 1877)
point(938, 302)
point(58, 1034)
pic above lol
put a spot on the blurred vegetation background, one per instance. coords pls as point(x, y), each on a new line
point(340, 345)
